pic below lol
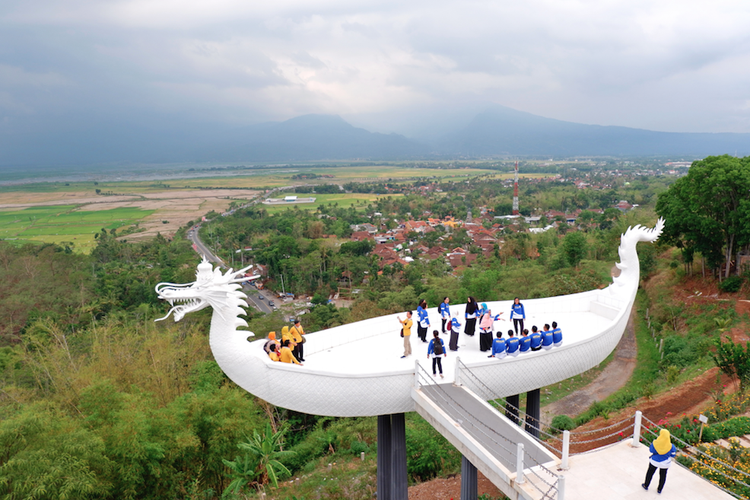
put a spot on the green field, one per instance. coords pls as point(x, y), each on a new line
point(64, 223)
point(343, 200)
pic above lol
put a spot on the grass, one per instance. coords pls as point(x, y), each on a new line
point(65, 223)
point(343, 200)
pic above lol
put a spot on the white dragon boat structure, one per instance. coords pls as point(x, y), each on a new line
point(357, 369)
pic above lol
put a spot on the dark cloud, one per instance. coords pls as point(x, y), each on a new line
point(670, 65)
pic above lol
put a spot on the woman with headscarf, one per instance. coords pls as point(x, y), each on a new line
point(423, 320)
point(486, 322)
point(662, 450)
point(472, 311)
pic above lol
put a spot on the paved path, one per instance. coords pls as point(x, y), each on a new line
point(614, 376)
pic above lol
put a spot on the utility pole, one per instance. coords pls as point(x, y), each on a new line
point(515, 193)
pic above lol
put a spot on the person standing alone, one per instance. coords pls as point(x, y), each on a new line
point(662, 451)
point(406, 333)
point(445, 312)
point(436, 349)
point(517, 314)
point(423, 320)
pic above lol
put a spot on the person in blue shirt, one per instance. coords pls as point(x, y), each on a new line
point(517, 314)
point(547, 338)
point(511, 345)
point(536, 339)
point(435, 351)
point(524, 341)
point(556, 335)
point(445, 312)
point(662, 451)
point(454, 326)
point(498, 347)
point(423, 322)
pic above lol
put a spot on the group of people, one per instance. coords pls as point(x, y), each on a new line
point(290, 348)
point(549, 337)
point(480, 315)
point(519, 339)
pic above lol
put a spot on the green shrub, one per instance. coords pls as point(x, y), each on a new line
point(731, 284)
point(681, 352)
point(563, 423)
point(672, 373)
point(428, 453)
point(738, 426)
point(358, 447)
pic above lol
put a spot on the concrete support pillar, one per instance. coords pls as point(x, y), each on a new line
point(511, 407)
point(469, 488)
point(533, 412)
point(384, 480)
point(392, 481)
point(399, 473)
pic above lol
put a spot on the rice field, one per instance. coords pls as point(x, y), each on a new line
point(64, 223)
point(343, 200)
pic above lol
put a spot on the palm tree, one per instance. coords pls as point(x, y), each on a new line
point(260, 462)
point(267, 450)
point(243, 471)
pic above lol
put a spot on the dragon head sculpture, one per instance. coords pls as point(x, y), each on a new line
point(629, 264)
point(211, 288)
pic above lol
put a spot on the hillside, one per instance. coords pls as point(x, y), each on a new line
point(505, 131)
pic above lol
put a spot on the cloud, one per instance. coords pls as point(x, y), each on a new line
point(668, 65)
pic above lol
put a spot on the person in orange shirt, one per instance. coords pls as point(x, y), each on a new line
point(286, 354)
point(406, 333)
point(297, 335)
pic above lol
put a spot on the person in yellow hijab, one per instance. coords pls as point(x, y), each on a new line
point(662, 450)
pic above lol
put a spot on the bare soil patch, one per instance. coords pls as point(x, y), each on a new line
point(450, 488)
point(174, 209)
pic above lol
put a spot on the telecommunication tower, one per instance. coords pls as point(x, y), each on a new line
point(515, 193)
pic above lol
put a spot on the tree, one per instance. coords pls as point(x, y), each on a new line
point(575, 247)
point(734, 360)
point(708, 210)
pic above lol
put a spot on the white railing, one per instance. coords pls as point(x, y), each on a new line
point(546, 483)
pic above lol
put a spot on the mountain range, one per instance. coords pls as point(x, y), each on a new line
point(497, 131)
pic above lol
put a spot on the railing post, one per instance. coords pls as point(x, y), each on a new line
point(416, 374)
point(637, 430)
point(519, 465)
point(565, 450)
point(561, 487)
point(455, 379)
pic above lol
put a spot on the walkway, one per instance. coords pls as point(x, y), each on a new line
point(616, 473)
point(489, 441)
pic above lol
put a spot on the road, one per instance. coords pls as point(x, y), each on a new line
point(201, 248)
point(259, 300)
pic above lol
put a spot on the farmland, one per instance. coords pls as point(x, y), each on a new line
point(65, 223)
point(73, 211)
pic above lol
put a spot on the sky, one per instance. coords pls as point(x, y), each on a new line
point(390, 66)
